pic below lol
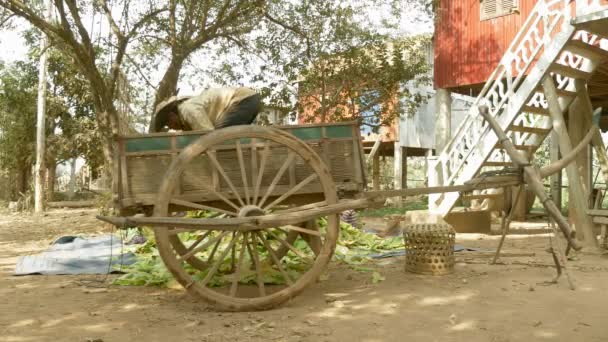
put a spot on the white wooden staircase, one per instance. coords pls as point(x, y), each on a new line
point(550, 44)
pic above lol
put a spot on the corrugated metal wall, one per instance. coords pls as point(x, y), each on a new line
point(467, 50)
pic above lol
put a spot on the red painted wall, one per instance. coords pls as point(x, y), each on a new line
point(468, 50)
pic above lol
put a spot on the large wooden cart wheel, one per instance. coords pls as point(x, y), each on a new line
point(238, 268)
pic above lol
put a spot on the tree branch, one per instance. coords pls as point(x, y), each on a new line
point(108, 13)
point(143, 21)
point(172, 30)
point(84, 34)
point(20, 9)
point(140, 72)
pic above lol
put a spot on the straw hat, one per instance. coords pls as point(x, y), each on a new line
point(163, 108)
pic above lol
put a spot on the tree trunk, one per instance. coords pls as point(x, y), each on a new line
point(41, 119)
point(72, 184)
point(22, 179)
point(50, 179)
point(167, 87)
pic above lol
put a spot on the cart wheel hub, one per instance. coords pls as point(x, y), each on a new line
point(251, 210)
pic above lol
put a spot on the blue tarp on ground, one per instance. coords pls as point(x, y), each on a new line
point(77, 255)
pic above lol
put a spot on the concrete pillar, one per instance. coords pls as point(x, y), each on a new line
point(398, 166)
point(404, 167)
point(433, 179)
point(443, 117)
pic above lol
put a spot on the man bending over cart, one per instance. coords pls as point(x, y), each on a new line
point(211, 109)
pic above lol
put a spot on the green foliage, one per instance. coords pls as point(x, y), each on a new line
point(418, 204)
point(366, 83)
point(17, 122)
point(352, 249)
point(71, 129)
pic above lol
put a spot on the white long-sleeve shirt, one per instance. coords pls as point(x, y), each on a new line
point(203, 111)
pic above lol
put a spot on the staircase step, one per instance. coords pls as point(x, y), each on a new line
point(588, 51)
point(560, 92)
point(519, 147)
point(497, 164)
point(535, 110)
point(526, 129)
point(569, 72)
point(481, 196)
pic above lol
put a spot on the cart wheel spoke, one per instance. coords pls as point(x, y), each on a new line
point(214, 250)
point(218, 263)
point(260, 174)
point(222, 197)
point(253, 252)
point(301, 208)
point(239, 266)
point(291, 191)
point(302, 230)
point(275, 259)
point(239, 155)
point(201, 248)
point(278, 177)
point(198, 241)
point(193, 205)
point(289, 246)
point(233, 253)
point(222, 172)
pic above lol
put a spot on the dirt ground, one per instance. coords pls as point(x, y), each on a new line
point(479, 302)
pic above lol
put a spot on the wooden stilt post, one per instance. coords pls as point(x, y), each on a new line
point(398, 169)
point(556, 179)
point(583, 223)
point(376, 172)
point(587, 114)
point(531, 176)
point(506, 221)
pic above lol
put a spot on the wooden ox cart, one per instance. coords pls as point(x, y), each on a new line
point(268, 197)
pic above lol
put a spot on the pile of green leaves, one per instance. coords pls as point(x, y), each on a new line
point(353, 248)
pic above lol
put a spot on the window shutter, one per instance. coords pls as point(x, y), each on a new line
point(490, 9)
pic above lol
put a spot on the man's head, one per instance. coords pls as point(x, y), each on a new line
point(167, 115)
point(174, 121)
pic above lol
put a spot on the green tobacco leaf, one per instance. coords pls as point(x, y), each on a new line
point(377, 277)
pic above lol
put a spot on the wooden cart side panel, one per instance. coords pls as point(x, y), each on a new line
point(146, 159)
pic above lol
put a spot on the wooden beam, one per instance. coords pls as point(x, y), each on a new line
point(481, 196)
point(560, 92)
point(375, 149)
point(598, 212)
point(556, 179)
point(497, 164)
point(286, 218)
point(376, 173)
point(559, 164)
point(535, 110)
point(398, 167)
point(531, 176)
point(526, 129)
point(579, 200)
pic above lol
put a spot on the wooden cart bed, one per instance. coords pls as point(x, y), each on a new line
point(144, 159)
